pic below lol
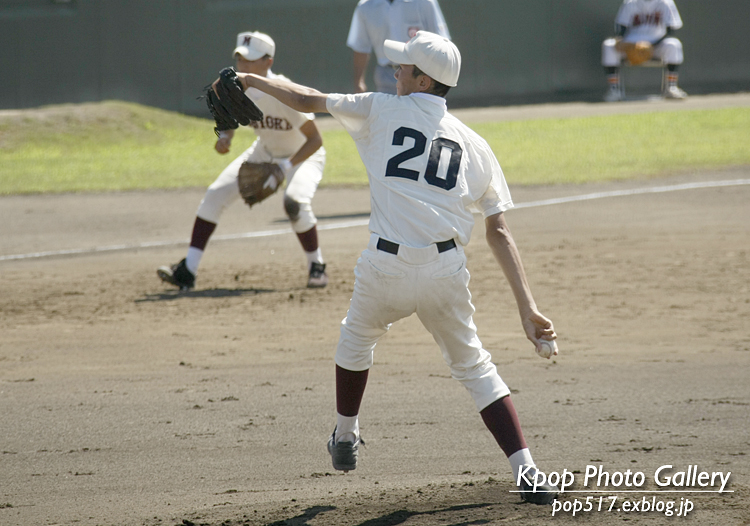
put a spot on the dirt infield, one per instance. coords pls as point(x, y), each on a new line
point(123, 402)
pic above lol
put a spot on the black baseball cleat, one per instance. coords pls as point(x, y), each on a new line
point(177, 275)
point(543, 495)
point(318, 277)
point(344, 454)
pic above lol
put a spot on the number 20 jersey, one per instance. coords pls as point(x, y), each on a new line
point(427, 169)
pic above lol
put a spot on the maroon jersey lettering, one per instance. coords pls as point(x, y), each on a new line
point(272, 123)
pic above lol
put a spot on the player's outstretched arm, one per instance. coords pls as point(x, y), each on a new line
point(296, 96)
point(504, 248)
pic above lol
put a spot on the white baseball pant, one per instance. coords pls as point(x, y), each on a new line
point(669, 51)
point(390, 287)
point(302, 182)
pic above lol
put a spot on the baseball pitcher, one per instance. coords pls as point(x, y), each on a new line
point(427, 171)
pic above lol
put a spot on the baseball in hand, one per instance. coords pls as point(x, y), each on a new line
point(546, 349)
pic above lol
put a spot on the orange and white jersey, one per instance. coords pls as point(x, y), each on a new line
point(279, 131)
point(647, 19)
point(427, 169)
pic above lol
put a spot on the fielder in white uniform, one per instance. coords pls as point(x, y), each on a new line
point(375, 21)
point(426, 171)
point(284, 136)
point(652, 21)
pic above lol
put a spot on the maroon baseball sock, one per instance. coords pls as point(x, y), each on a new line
point(309, 239)
point(501, 419)
point(350, 388)
point(202, 231)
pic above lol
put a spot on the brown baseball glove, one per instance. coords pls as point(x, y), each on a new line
point(257, 181)
point(636, 52)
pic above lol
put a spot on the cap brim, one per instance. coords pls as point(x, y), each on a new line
point(245, 53)
point(396, 52)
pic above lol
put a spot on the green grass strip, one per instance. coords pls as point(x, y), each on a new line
point(589, 149)
point(114, 146)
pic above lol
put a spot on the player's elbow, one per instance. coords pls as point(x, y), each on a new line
point(497, 232)
point(316, 142)
point(310, 102)
point(498, 236)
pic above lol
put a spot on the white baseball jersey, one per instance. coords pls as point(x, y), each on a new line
point(647, 19)
point(279, 130)
point(278, 137)
point(374, 21)
point(426, 168)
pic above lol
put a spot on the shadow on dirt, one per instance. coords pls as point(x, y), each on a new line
point(302, 520)
point(401, 516)
point(392, 519)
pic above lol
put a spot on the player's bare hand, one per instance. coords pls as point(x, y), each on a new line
point(223, 145)
point(539, 330)
point(244, 79)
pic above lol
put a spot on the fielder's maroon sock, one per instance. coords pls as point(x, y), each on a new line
point(350, 388)
point(202, 231)
point(309, 239)
point(501, 419)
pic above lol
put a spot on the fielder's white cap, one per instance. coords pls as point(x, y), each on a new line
point(436, 56)
point(254, 45)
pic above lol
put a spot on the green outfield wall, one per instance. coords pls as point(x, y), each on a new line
point(162, 52)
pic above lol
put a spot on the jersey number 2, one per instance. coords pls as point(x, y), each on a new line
point(393, 168)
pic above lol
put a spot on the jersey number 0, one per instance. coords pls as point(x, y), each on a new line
point(393, 169)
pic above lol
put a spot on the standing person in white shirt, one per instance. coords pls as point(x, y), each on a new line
point(284, 136)
point(375, 21)
point(651, 21)
point(427, 170)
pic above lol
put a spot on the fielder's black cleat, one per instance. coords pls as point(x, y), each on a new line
point(544, 494)
point(177, 275)
point(318, 277)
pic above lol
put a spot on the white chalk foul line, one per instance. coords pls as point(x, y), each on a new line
point(634, 191)
point(151, 244)
point(364, 222)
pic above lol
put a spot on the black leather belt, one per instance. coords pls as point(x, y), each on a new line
point(392, 248)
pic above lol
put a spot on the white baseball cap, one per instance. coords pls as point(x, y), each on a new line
point(436, 56)
point(254, 45)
